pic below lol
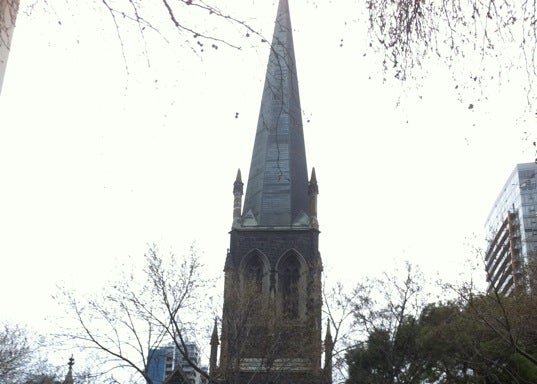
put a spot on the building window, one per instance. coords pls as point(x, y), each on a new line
point(527, 185)
point(253, 273)
point(289, 271)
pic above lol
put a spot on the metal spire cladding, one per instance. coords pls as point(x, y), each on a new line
point(277, 189)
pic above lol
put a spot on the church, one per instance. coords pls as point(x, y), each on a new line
point(271, 320)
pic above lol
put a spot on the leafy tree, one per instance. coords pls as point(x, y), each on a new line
point(385, 312)
point(479, 338)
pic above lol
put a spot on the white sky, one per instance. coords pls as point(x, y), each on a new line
point(97, 163)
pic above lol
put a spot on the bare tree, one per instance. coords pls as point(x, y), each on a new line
point(339, 306)
point(493, 37)
point(260, 339)
point(379, 308)
point(407, 32)
point(23, 357)
point(15, 353)
point(386, 308)
point(138, 313)
point(163, 304)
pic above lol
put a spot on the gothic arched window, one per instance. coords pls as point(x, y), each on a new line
point(253, 272)
point(289, 277)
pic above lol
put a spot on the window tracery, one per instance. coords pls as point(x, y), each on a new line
point(290, 274)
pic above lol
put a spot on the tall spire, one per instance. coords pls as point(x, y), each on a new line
point(277, 189)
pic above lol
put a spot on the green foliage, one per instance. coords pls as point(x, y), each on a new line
point(525, 368)
point(474, 341)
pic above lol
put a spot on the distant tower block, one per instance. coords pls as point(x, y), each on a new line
point(512, 233)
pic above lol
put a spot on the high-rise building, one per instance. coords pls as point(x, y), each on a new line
point(166, 360)
point(271, 322)
point(512, 232)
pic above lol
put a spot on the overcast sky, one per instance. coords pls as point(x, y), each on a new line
point(98, 160)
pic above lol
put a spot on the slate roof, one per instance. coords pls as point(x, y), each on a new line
point(277, 189)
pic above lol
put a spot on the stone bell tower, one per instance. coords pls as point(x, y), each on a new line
point(271, 323)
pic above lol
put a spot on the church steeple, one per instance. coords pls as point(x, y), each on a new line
point(277, 189)
point(271, 318)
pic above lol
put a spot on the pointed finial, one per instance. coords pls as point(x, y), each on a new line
point(328, 334)
point(238, 184)
point(214, 350)
point(328, 350)
point(69, 376)
point(313, 191)
point(237, 199)
point(214, 336)
point(313, 188)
